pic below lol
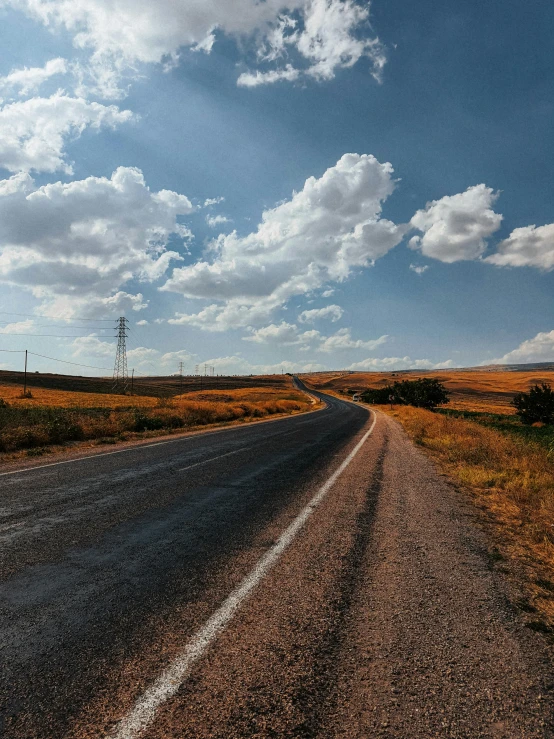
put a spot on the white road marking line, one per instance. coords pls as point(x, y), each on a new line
point(168, 683)
point(212, 459)
point(203, 434)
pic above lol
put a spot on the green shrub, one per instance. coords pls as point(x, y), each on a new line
point(536, 406)
point(422, 393)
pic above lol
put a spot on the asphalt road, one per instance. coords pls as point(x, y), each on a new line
point(93, 550)
point(373, 611)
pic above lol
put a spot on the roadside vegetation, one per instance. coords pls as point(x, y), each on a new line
point(421, 393)
point(55, 417)
point(509, 467)
point(496, 439)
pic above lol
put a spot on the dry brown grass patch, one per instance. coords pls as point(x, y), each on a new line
point(511, 478)
point(471, 390)
point(54, 417)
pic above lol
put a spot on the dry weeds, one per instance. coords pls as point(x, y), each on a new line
point(511, 478)
point(489, 391)
point(57, 416)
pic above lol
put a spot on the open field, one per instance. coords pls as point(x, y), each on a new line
point(486, 390)
point(162, 386)
point(506, 467)
point(55, 417)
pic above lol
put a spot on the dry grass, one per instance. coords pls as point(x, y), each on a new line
point(472, 390)
point(12, 394)
point(511, 478)
point(53, 417)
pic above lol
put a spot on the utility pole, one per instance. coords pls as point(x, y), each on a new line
point(25, 375)
point(181, 376)
point(120, 373)
point(132, 380)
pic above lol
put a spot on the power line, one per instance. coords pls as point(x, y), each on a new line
point(50, 336)
point(38, 315)
point(53, 325)
point(64, 361)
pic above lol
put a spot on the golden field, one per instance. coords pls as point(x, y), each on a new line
point(506, 468)
point(55, 417)
point(471, 390)
point(511, 480)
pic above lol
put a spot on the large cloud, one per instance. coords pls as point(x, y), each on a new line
point(81, 241)
point(237, 365)
point(456, 226)
point(323, 35)
point(288, 334)
point(233, 314)
point(29, 79)
point(321, 234)
point(398, 363)
point(328, 40)
point(538, 349)
point(530, 246)
point(33, 132)
point(283, 334)
point(342, 341)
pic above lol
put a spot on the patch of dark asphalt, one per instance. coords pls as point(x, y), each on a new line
point(68, 622)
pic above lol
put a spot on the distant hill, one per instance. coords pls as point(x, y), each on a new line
point(161, 386)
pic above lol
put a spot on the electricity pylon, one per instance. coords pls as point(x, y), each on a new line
point(120, 374)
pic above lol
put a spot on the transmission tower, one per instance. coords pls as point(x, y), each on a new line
point(120, 374)
point(181, 377)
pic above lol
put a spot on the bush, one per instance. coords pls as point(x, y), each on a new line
point(144, 422)
point(536, 406)
point(423, 393)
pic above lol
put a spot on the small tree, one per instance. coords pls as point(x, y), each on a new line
point(537, 405)
point(422, 393)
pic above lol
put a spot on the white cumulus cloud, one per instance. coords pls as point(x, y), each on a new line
point(323, 35)
point(390, 364)
point(530, 246)
point(18, 327)
point(78, 243)
point(343, 340)
point(237, 365)
point(257, 78)
point(284, 334)
point(332, 313)
point(29, 79)
point(215, 221)
point(332, 226)
point(538, 349)
point(33, 132)
point(456, 226)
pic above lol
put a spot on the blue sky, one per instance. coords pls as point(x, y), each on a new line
point(311, 184)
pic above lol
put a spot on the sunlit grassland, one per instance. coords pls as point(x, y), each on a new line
point(506, 467)
point(56, 417)
point(471, 390)
point(510, 471)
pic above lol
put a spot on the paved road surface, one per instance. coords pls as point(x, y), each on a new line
point(380, 617)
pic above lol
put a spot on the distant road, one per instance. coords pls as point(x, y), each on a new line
point(312, 576)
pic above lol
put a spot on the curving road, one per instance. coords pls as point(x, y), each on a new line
point(317, 574)
point(92, 550)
